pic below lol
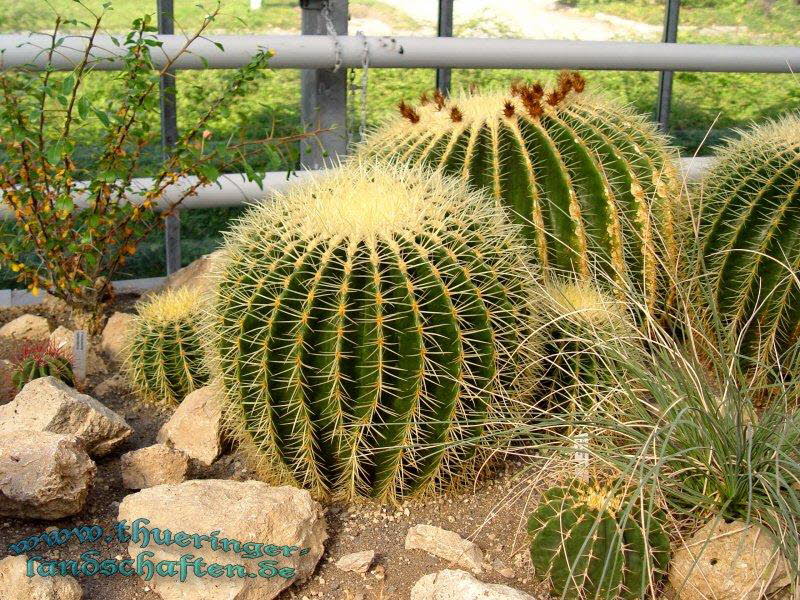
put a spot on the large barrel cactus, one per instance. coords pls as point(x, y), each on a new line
point(589, 542)
point(750, 236)
point(164, 357)
point(367, 329)
point(592, 184)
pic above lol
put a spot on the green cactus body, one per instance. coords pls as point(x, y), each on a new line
point(589, 543)
point(43, 361)
point(583, 329)
point(750, 236)
point(367, 328)
point(164, 358)
point(592, 184)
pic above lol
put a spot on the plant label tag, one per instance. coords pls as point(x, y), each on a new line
point(581, 455)
point(79, 351)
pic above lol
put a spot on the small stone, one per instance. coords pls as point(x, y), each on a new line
point(15, 584)
point(114, 337)
point(356, 562)
point(728, 561)
point(26, 327)
point(48, 404)
point(196, 426)
point(503, 569)
point(447, 545)
point(115, 383)
point(459, 585)
point(153, 465)
point(43, 475)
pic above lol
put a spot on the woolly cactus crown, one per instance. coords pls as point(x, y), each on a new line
point(367, 328)
point(592, 184)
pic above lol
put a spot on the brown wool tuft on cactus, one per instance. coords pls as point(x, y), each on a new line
point(594, 186)
point(456, 116)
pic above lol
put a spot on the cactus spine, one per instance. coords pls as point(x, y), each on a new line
point(366, 329)
point(42, 360)
point(589, 542)
point(164, 358)
point(592, 184)
point(750, 236)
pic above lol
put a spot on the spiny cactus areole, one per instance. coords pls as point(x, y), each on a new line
point(366, 330)
point(593, 184)
point(750, 235)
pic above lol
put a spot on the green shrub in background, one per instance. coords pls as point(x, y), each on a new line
point(594, 186)
point(368, 330)
point(164, 358)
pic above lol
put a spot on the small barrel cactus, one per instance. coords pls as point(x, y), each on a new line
point(750, 236)
point(367, 328)
point(592, 184)
point(42, 360)
point(164, 357)
point(589, 542)
point(585, 330)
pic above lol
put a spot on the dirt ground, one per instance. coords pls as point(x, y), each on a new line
point(492, 515)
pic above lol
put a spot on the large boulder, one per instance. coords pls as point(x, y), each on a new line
point(26, 327)
point(727, 561)
point(17, 583)
point(43, 475)
point(64, 339)
point(114, 337)
point(196, 425)
point(47, 404)
point(153, 465)
point(195, 276)
point(447, 545)
point(282, 524)
point(451, 584)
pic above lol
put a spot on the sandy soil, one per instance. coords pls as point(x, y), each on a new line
point(493, 515)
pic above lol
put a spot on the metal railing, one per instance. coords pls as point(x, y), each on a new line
point(324, 55)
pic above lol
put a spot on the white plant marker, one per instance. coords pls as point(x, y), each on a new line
point(255, 4)
point(581, 455)
point(80, 349)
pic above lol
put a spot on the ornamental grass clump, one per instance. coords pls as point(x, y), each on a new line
point(368, 329)
point(590, 540)
point(749, 229)
point(593, 185)
point(164, 356)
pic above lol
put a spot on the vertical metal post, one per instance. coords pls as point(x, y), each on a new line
point(324, 91)
point(672, 12)
point(169, 136)
point(444, 29)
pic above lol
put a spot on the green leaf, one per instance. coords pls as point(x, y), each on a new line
point(83, 106)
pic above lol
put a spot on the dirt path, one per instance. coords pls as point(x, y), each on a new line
point(525, 18)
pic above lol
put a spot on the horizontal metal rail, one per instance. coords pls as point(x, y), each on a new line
point(319, 52)
point(233, 189)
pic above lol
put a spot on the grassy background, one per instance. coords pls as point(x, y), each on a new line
point(732, 99)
